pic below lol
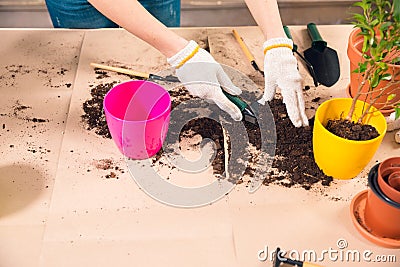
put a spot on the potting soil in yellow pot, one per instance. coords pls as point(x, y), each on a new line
point(339, 157)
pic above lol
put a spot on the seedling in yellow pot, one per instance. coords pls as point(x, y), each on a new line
point(343, 154)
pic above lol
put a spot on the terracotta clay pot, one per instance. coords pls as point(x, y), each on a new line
point(354, 54)
point(382, 215)
point(394, 180)
point(390, 169)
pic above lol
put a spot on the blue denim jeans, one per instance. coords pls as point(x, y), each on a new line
point(80, 14)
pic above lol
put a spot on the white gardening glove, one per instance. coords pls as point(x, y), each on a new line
point(203, 76)
point(280, 70)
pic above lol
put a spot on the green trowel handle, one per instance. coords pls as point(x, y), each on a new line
point(236, 100)
point(289, 35)
point(316, 38)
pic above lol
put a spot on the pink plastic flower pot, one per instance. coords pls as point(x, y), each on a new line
point(137, 114)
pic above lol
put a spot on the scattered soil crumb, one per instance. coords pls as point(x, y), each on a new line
point(19, 107)
point(111, 175)
point(108, 165)
point(18, 110)
point(36, 149)
point(104, 164)
point(38, 120)
point(101, 74)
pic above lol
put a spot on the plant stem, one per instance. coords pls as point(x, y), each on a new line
point(373, 101)
point(357, 96)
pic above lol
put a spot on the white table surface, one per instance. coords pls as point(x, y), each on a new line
point(58, 209)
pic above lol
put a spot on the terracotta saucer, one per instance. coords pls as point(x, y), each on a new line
point(357, 208)
point(385, 112)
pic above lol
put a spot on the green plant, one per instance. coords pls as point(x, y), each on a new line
point(397, 110)
point(379, 24)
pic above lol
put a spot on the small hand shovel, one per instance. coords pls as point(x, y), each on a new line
point(308, 64)
point(324, 60)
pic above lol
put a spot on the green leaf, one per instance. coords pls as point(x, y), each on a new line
point(375, 81)
point(396, 10)
point(391, 97)
point(359, 17)
point(374, 22)
point(396, 60)
point(365, 44)
point(385, 26)
point(359, 4)
point(383, 66)
point(397, 113)
point(386, 77)
point(362, 67)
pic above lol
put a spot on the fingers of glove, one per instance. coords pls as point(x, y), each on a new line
point(302, 107)
point(292, 94)
point(193, 90)
point(294, 106)
point(270, 89)
point(270, 72)
point(201, 89)
point(223, 103)
point(226, 83)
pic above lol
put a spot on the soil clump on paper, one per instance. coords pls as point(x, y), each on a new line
point(93, 117)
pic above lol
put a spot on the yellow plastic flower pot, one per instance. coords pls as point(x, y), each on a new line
point(339, 157)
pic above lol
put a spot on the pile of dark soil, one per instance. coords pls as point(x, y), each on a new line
point(93, 117)
point(293, 164)
point(351, 130)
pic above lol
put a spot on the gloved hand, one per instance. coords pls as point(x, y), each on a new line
point(280, 70)
point(203, 76)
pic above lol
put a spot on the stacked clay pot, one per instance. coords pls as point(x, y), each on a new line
point(389, 178)
point(382, 209)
